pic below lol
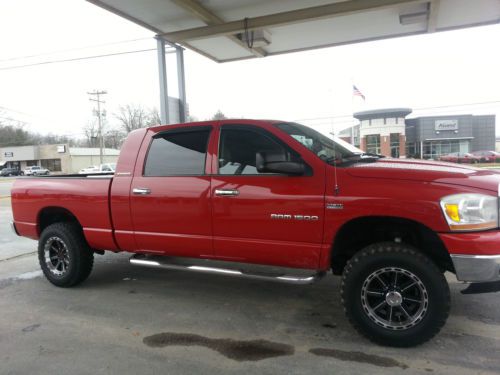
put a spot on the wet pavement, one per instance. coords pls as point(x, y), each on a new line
point(130, 320)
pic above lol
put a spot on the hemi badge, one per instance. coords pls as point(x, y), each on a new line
point(334, 206)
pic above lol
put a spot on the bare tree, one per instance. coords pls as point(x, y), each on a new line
point(114, 138)
point(132, 117)
point(219, 116)
point(154, 117)
point(91, 132)
point(12, 132)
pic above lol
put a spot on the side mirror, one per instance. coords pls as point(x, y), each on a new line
point(270, 162)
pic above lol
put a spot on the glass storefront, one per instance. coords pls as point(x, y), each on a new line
point(395, 145)
point(373, 144)
point(434, 149)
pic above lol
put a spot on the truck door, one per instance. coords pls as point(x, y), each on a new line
point(170, 194)
point(261, 217)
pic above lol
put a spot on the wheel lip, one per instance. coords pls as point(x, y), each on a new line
point(392, 326)
point(47, 249)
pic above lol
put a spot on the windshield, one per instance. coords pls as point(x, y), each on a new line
point(326, 148)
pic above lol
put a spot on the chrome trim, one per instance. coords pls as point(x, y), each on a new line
point(170, 263)
point(476, 268)
point(57, 256)
point(141, 191)
point(13, 228)
point(394, 298)
point(334, 206)
point(227, 192)
point(123, 174)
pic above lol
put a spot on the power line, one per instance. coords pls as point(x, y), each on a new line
point(77, 59)
point(73, 49)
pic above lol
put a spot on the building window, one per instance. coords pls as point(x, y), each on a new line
point(397, 120)
point(373, 143)
point(385, 120)
point(435, 149)
point(395, 145)
point(31, 163)
point(53, 165)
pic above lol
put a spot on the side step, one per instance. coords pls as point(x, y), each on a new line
point(258, 272)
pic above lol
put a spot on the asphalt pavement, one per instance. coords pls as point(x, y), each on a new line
point(130, 320)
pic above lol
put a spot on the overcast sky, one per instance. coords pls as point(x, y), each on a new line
point(443, 70)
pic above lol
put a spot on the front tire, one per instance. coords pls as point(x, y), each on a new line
point(65, 257)
point(394, 295)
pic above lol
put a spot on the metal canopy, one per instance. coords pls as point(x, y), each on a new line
point(222, 29)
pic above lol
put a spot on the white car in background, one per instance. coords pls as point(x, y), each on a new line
point(36, 171)
point(103, 168)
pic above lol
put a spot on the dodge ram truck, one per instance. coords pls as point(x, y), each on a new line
point(278, 201)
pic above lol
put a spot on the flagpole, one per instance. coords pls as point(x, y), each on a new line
point(352, 111)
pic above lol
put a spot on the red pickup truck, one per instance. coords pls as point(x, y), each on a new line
point(277, 201)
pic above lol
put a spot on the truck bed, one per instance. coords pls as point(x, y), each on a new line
point(85, 197)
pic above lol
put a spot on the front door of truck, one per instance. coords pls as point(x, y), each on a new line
point(170, 194)
point(261, 217)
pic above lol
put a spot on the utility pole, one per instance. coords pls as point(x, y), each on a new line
point(97, 94)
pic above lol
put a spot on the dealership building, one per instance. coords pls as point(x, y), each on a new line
point(390, 133)
point(56, 158)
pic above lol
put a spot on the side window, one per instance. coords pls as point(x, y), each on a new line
point(177, 154)
point(238, 149)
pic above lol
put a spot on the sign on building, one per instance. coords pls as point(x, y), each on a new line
point(8, 154)
point(441, 125)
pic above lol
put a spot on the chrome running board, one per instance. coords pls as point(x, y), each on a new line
point(256, 272)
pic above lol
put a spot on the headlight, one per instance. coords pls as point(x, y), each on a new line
point(470, 211)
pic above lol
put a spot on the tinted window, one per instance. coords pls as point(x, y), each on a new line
point(177, 154)
point(238, 149)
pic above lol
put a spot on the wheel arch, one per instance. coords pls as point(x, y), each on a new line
point(54, 214)
point(360, 232)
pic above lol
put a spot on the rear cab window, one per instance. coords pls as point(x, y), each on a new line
point(178, 152)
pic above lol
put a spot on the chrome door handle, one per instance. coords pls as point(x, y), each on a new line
point(141, 191)
point(227, 192)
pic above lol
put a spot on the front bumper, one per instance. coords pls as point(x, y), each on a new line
point(475, 255)
point(477, 268)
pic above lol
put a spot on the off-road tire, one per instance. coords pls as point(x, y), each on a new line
point(81, 256)
point(400, 256)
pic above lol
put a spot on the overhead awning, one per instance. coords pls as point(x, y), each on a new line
point(228, 30)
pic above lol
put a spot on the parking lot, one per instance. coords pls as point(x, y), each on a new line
point(125, 319)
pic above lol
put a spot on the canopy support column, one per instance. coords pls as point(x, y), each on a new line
point(162, 74)
point(181, 83)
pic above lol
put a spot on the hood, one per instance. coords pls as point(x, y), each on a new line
point(428, 171)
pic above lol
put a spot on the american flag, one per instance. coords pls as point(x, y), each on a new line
point(356, 92)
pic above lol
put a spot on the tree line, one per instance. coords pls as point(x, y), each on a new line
point(129, 117)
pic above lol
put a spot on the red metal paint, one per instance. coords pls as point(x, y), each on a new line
point(182, 216)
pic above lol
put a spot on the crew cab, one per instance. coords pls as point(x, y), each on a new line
point(277, 201)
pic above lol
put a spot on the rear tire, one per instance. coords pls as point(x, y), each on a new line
point(65, 257)
point(394, 295)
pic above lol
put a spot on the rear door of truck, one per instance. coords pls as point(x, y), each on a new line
point(170, 192)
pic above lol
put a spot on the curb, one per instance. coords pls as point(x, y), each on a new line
point(4, 196)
